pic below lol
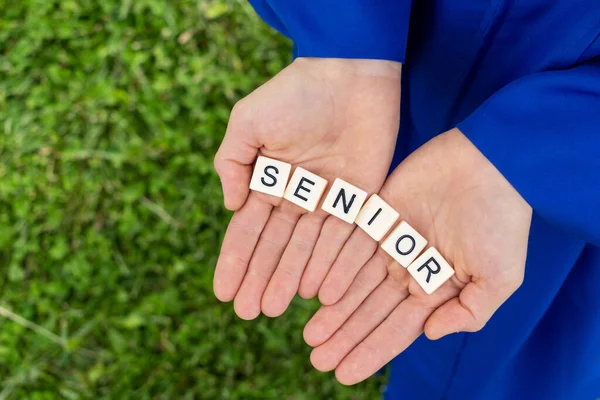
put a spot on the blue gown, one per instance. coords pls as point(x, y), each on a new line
point(521, 79)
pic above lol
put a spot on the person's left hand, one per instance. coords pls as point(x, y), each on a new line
point(450, 193)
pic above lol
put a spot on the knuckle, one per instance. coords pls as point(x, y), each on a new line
point(361, 282)
point(218, 163)
point(393, 327)
point(477, 325)
point(323, 257)
point(249, 231)
point(233, 259)
point(397, 276)
point(370, 276)
point(519, 280)
point(348, 267)
point(289, 271)
point(284, 217)
point(348, 333)
point(257, 272)
point(363, 248)
point(375, 313)
point(275, 243)
point(302, 243)
point(240, 112)
point(515, 281)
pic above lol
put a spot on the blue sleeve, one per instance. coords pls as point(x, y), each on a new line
point(542, 132)
point(376, 29)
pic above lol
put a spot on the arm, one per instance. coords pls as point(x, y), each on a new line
point(542, 133)
point(374, 29)
point(348, 51)
point(542, 136)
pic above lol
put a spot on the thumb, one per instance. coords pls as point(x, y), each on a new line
point(234, 159)
point(471, 310)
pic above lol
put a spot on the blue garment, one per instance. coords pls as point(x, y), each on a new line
point(521, 79)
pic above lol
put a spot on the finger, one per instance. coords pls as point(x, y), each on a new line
point(286, 279)
point(240, 240)
point(330, 318)
point(375, 309)
point(333, 235)
point(270, 247)
point(234, 159)
point(356, 252)
point(472, 309)
point(402, 327)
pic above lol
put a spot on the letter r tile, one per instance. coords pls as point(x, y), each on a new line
point(344, 200)
point(270, 176)
point(305, 189)
point(431, 270)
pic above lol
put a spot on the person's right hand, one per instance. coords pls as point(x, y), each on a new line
point(336, 118)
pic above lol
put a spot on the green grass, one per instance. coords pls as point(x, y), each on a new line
point(111, 215)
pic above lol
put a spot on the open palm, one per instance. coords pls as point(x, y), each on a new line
point(455, 198)
point(335, 118)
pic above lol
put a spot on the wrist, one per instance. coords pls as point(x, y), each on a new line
point(355, 67)
point(470, 168)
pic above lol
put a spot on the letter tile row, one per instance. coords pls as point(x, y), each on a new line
point(347, 202)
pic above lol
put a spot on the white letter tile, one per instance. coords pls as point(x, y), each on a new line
point(404, 244)
point(376, 217)
point(344, 200)
point(305, 189)
point(270, 176)
point(431, 270)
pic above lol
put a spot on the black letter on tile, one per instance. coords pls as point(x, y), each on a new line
point(270, 176)
point(375, 216)
point(429, 270)
point(302, 180)
point(342, 195)
point(412, 245)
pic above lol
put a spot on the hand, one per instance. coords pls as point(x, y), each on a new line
point(336, 118)
point(449, 192)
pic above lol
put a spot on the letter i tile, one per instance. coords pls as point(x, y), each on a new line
point(376, 217)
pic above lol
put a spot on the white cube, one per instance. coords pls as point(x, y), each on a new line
point(344, 200)
point(431, 270)
point(404, 244)
point(270, 176)
point(305, 189)
point(376, 217)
